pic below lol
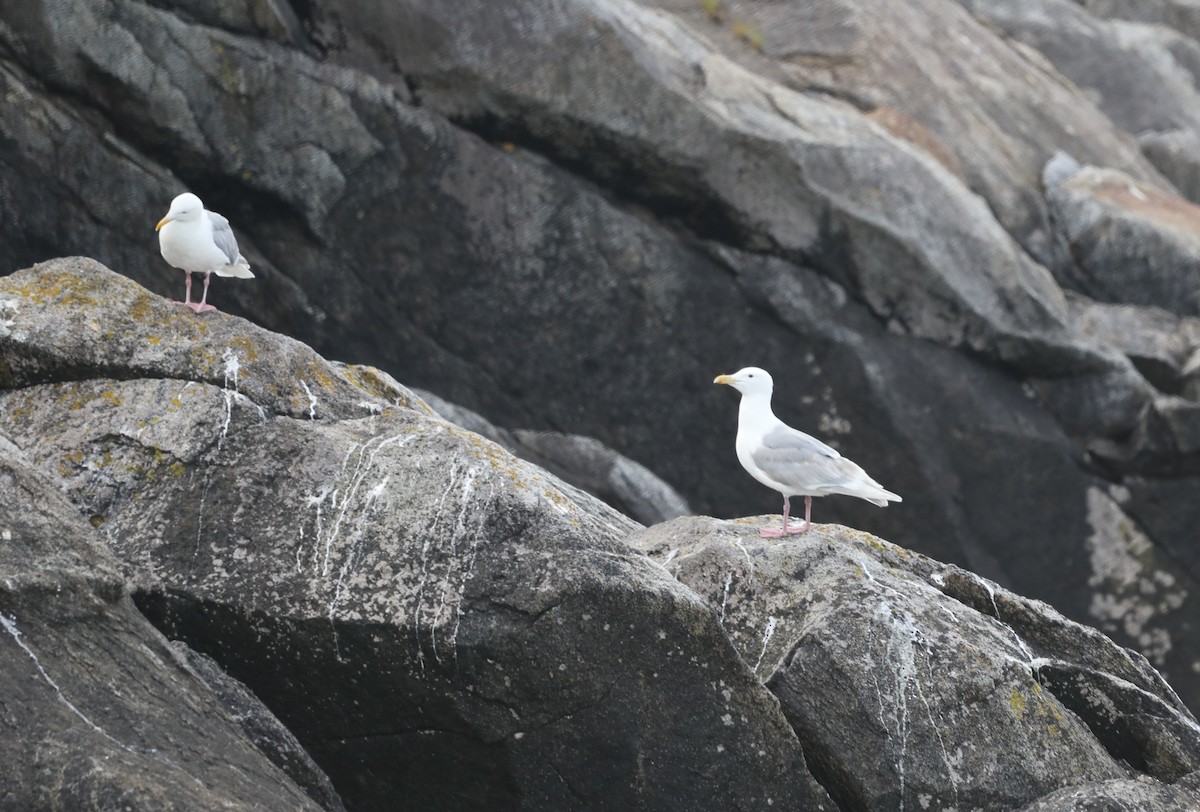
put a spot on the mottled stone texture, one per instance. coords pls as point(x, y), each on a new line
point(568, 217)
point(96, 708)
point(428, 617)
point(431, 617)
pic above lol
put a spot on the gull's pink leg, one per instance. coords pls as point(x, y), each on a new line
point(790, 531)
point(807, 518)
point(187, 287)
point(774, 534)
point(200, 306)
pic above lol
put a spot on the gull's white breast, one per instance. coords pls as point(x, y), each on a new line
point(189, 246)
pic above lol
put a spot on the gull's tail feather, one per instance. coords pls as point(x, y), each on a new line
point(884, 497)
point(240, 269)
point(871, 491)
point(879, 495)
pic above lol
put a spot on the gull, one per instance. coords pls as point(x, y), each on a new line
point(788, 460)
point(196, 240)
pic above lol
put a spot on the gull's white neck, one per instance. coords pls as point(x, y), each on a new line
point(754, 413)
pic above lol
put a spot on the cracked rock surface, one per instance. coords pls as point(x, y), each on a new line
point(97, 709)
point(916, 685)
point(568, 217)
point(431, 617)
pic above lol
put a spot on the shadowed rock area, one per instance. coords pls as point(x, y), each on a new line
point(98, 710)
point(434, 620)
point(566, 218)
point(429, 615)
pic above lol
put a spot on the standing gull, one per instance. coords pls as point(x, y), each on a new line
point(196, 240)
point(788, 460)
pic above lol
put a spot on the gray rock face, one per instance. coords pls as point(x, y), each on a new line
point(98, 712)
point(938, 79)
point(429, 615)
point(269, 735)
point(925, 663)
point(1133, 244)
point(586, 463)
point(1121, 796)
point(430, 618)
point(1159, 343)
point(568, 217)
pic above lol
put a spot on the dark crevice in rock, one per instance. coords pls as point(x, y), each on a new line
point(392, 734)
point(101, 373)
point(301, 11)
point(1133, 725)
point(512, 609)
point(1162, 376)
point(574, 793)
point(821, 760)
point(413, 86)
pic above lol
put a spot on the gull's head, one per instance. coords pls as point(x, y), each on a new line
point(183, 208)
point(748, 381)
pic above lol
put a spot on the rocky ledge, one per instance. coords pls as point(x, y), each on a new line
point(373, 606)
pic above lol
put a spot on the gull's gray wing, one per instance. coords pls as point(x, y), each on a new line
point(793, 458)
point(223, 237)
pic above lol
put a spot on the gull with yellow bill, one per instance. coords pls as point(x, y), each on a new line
point(196, 240)
point(788, 460)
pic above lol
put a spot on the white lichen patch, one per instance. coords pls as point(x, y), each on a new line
point(8, 316)
point(832, 423)
point(1132, 592)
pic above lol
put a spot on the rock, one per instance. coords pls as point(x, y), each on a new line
point(904, 62)
point(1158, 342)
point(1181, 15)
point(1060, 167)
point(845, 193)
point(1134, 91)
point(1140, 75)
point(1175, 153)
point(1119, 796)
point(585, 462)
point(429, 615)
point(1132, 243)
point(925, 662)
point(617, 479)
point(269, 735)
point(271, 19)
point(817, 183)
point(1191, 377)
point(98, 712)
point(426, 613)
point(126, 337)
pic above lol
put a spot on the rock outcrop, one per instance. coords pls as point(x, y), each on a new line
point(568, 217)
point(433, 619)
point(586, 463)
point(430, 616)
point(98, 710)
point(924, 662)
